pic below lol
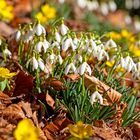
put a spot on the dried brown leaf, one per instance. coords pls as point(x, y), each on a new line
point(12, 112)
point(105, 133)
point(3, 98)
point(53, 129)
point(24, 84)
point(50, 101)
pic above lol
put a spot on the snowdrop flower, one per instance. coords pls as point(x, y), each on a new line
point(35, 63)
point(111, 43)
point(95, 97)
point(41, 64)
point(45, 44)
point(57, 37)
point(63, 29)
point(129, 4)
point(18, 35)
point(56, 44)
point(104, 8)
point(70, 68)
point(39, 29)
point(136, 73)
point(128, 63)
point(66, 44)
point(112, 6)
point(7, 53)
point(102, 53)
point(92, 5)
point(60, 60)
point(29, 35)
point(128, 19)
point(84, 67)
point(51, 58)
point(78, 57)
point(81, 3)
point(137, 25)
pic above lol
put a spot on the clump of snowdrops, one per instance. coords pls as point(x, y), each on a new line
point(63, 52)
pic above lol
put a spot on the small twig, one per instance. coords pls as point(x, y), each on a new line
point(13, 98)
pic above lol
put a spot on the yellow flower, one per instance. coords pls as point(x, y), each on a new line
point(2, 4)
point(6, 11)
point(80, 130)
point(41, 17)
point(110, 64)
point(118, 69)
point(126, 34)
point(47, 12)
point(135, 50)
point(5, 73)
point(26, 130)
point(115, 36)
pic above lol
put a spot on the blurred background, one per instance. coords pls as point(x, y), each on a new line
point(80, 15)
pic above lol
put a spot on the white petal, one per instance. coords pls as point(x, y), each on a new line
point(18, 35)
point(58, 37)
point(39, 29)
point(35, 63)
point(38, 46)
point(82, 68)
point(60, 59)
point(63, 29)
point(41, 64)
point(46, 45)
point(56, 44)
point(67, 69)
point(66, 44)
point(112, 6)
point(88, 69)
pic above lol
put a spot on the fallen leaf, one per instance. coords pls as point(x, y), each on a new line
point(50, 101)
point(24, 84)
point(12, 112)
point(3, 98)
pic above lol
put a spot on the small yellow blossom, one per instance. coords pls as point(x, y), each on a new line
point(118, 69)
point(47, 12)
point(6, 11)
point(135, 50)
point(115, 36)
point(80, 130)
point(126, 34)
point(5, 73)
point(26, 130)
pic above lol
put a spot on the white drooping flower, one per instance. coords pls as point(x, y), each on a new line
point(136, 73)
point(45, 45)
point(81, 3)
point(102, 54)
point(7, 53)
point(63, 29)
point(92, 5)
point(41, 64)
point(33, 62)
point(128, 63)
point(29, 36)
point(66, 44)
point(104, 8)
point(96, 96)
point(51, 58)
point(55, 44)
point(57, 37)
point(111, 44)
point(18, 35)
point(112, 6)
point(39, 29)
point(70, 68)
point(83, 68)
point(60, 60)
